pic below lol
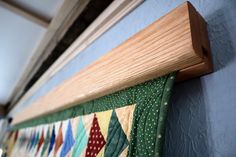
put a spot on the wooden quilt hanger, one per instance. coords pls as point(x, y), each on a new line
point(177, 41)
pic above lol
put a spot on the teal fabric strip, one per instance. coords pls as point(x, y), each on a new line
point(81, 139)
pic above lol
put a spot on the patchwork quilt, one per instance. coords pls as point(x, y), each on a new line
point(129, 123)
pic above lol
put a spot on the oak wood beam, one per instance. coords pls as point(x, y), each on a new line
point(175, 42)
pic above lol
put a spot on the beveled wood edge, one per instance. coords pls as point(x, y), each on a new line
point(202, 48)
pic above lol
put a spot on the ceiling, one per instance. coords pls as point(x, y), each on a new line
point(45, 8)
point(19, 37)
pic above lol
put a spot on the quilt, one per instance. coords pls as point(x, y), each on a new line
point(128, 123)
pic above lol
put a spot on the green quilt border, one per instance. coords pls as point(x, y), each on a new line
point(146, 96)
point(129, 96)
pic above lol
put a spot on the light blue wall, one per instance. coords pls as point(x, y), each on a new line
point(202, 117)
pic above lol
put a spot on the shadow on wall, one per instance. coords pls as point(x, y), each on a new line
point(189, 131)
point(223, 51)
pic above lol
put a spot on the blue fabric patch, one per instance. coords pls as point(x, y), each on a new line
point(52, 140)
point(32, 141)
point(69, 141)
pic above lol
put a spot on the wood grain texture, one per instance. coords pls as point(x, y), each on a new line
point(169, 44)
point(201, 45)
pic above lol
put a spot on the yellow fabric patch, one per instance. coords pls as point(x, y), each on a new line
point(101, 153)
point(124, 153)
point(125, 117)
point(103, 120)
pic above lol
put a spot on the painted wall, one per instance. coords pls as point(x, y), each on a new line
point(16, 49)
point(201, 121)
point(19, 38)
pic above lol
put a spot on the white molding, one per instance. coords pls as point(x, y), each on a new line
point(114, 13)
point(68, 12)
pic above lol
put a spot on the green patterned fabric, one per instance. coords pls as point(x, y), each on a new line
point(116, 140)
point(149, 121)
point(148, 127)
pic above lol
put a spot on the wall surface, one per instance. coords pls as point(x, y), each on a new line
point(201, 120)
point(16, 49)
